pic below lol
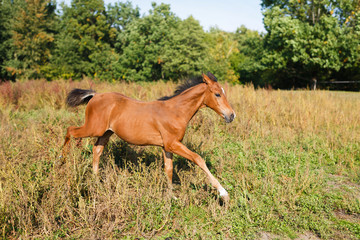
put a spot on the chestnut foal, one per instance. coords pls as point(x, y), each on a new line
point(160, 123)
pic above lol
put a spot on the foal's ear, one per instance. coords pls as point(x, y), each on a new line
point(206, 79)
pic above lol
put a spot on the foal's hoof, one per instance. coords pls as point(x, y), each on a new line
point(225, 198)
point(224, 195)
point(224, 201)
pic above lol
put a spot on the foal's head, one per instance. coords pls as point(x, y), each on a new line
point(215, 98)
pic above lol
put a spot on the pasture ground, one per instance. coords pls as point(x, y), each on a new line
point(290, 161)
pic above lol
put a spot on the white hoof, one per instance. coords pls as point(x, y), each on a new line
point(223, 193)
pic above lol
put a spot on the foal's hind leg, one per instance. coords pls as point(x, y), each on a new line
point(168, 166)
point(98, 149)
point(76, 132)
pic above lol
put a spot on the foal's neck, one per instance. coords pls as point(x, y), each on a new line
point(189, 102)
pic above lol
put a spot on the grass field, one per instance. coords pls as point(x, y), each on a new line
point(290, 161)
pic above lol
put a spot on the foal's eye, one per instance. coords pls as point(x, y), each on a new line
point(217, 94)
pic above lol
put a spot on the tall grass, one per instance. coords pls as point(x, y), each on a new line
point(290, 161)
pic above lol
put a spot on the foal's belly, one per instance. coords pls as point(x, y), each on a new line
point(138, 133)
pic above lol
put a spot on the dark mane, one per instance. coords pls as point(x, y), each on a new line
point(188, 83)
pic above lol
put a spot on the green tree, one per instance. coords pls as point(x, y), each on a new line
point(185, 53)
point(309, 40)
point(83, 46)
point(142, 44)
point(161, 46)
point(32, 37)
point(121, 14)
point(6, 14)
point(246, 62)
point(222, 49)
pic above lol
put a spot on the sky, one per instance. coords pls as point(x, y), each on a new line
point(227, 15)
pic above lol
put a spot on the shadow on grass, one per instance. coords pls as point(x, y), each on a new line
point(125, 153)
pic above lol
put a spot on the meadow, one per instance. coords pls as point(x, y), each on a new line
point(290, 162)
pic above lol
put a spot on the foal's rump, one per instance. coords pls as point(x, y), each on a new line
point(97, 113)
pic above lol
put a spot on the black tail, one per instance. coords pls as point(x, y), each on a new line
point(79, 96)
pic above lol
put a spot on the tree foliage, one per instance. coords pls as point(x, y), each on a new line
point(161, 46)
point(32, 37)
point(6, 45)
point(222, 48)
point(246, 62)
point(310, 40)
point(305, 42)
point(84, 43)
point(121, 14)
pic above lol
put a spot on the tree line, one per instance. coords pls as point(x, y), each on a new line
point(305, 42)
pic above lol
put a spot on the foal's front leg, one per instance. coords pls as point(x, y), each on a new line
point(182, 150)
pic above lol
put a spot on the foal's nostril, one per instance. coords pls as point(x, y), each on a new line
point(232, 116)
point(229, 118)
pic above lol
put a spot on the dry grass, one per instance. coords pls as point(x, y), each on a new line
point(290, 160)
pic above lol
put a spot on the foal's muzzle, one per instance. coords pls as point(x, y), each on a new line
point(230, 118)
